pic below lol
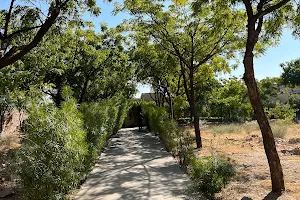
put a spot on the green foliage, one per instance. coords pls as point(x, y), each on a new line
point(95, 118)
point(160, 124)
point(282, 111)
point(24, 24)
point(52, 154)
point(62, 143)
point(181, 107)
point(269, 90)
point(211, 174)
point(294, 102)
point(230, 101)
point(291, 73)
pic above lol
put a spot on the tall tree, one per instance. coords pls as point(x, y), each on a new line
point(95, 65)
point(195, 39)
point(265, 21)
point(23, 26)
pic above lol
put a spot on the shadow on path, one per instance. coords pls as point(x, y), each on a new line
point(135, 166)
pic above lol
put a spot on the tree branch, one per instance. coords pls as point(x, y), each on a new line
point(259, 26)
point(212, 53)
point(8, 18)
point(248, 7)
point(23, 30)
point(38, 37)
point(271, 9)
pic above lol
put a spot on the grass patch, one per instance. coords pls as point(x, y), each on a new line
point(228, 128)
point(250, 127)
point(279, 129)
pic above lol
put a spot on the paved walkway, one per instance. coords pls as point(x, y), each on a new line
point(135, 166)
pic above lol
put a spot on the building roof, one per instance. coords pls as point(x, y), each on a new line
point(148, 96)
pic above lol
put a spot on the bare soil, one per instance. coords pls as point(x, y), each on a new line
point(244, 148)
point(9, 141)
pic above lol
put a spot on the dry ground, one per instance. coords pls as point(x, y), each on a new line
point(9, 140)
point(242, 144)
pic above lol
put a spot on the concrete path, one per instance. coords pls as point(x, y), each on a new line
point(135, 166)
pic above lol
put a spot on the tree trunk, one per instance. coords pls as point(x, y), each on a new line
point(267, 135)
point(190, 93)
point(1, 120)
point(196, 124)
point(83, 91)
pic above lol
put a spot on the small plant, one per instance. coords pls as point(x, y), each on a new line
point(211, 174)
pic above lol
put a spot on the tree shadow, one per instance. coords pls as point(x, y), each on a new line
point(270, 196)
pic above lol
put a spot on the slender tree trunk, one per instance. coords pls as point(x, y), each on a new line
point(196, 124)
point(1, 120)
point(267, 135)
point(83, 91)
point(58, 96)
point(190, 93)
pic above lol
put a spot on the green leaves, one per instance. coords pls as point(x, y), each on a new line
point(291, 73)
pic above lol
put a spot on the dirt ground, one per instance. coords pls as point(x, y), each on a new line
point(244, 147)
point(9, 140)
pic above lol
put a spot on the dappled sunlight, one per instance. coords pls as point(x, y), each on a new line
point(135, 166)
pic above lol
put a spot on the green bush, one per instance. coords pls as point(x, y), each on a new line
point(282, 111)
point(210, 174)
point(63, 143)
point(52, 155)
point(95, 118)
point(122, 113)
point(100, 121)
point(160, 124)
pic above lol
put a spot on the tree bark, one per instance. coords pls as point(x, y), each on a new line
point(190, 93)
point(253, 92)
point(196, 124)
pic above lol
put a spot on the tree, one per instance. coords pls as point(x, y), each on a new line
point(95, 65)
point(23, 26)
point(155, 68)
point(229, 100)
point(269, 89)
point(194, 39)
point(265, 21)
point(291, 73)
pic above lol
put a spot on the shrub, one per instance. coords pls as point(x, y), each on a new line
point(284, 112)
point(51, 156)
point(122, 113)
point(100, 121)
point(95, 118)
point(210, 174)
point(160, 124)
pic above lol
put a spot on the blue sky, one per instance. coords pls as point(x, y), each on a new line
point(265, 66)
